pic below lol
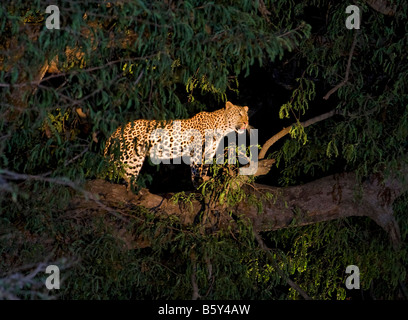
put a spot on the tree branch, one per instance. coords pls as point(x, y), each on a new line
point(263, 10)
point(290, 282)
point(382, 6)
point(325, 199)
point(286, 130)
point(194, 285)
point(346, 77)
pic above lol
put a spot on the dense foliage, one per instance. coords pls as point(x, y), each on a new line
point(128, 59)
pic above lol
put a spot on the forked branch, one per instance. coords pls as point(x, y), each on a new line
point(286, 130)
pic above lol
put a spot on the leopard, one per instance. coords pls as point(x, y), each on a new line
point(195, 140)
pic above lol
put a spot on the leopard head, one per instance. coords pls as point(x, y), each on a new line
point(236, 117)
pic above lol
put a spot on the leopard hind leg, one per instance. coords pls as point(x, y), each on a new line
point(132, 158)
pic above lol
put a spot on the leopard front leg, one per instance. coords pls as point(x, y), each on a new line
point(197, 177)
point(201, 163)
point(196, 166)
point(199, 171)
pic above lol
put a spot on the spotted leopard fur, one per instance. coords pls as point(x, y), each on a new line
point(175, 138)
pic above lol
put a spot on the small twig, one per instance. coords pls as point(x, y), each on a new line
point(262, 9)
point(346, 77)
point(139, 77)
point(292, 284)
point(210, 276)
point(196, 295)
point(290, 31)
point(67, 162)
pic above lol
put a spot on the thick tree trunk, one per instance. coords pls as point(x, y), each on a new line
point(328, 198)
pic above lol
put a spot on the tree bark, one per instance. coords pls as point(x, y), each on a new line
point(328, 198)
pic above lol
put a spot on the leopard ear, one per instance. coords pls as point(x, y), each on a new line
point(246, 108)
point(228, 105)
